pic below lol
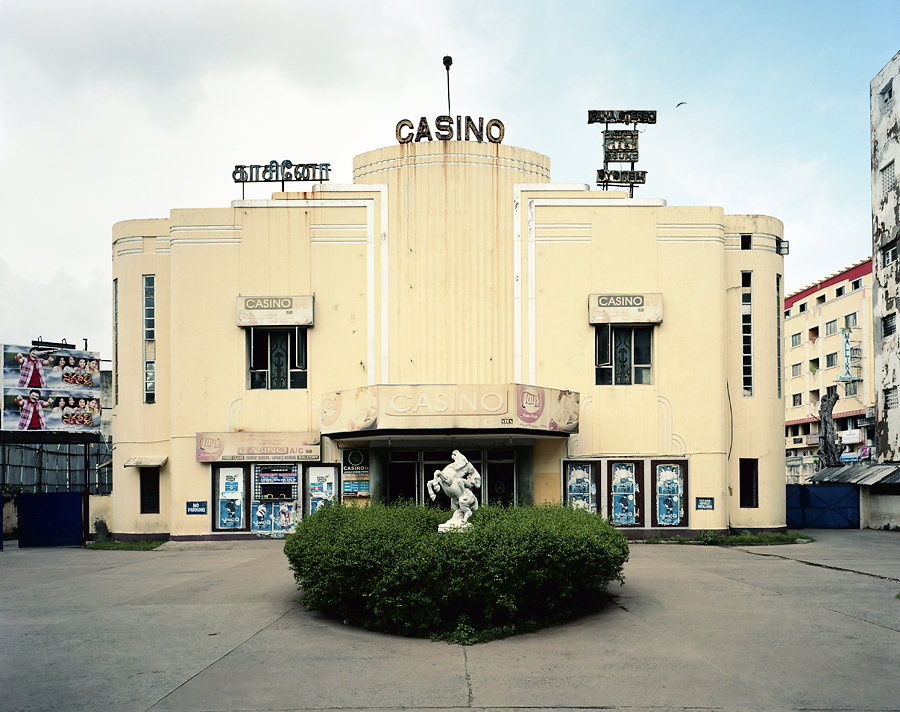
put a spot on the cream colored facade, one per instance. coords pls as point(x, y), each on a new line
point(828, 346)
point(460, 300)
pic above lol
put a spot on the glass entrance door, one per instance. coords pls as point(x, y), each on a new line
point(409, 470)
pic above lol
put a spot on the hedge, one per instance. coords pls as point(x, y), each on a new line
point(386, 568)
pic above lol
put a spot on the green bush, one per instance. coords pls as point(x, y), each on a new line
point(387, 568)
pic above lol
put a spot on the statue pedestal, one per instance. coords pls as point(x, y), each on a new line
point(451, 526)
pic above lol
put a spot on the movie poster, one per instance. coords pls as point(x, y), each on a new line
point(580, 491)
point(50, 389)
point(272, 517)
point(321, 487)
point(231, 497)
point(669, 495)
point(624, 492)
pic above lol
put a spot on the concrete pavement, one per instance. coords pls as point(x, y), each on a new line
point(215, 626)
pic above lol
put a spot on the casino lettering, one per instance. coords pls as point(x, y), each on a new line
point(621, 300)
point(444, 130)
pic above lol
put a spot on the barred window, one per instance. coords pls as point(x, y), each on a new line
point(623, 355)
point(888, 178)
point(277, 358)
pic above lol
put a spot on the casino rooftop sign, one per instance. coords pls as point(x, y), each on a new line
point(466, 129)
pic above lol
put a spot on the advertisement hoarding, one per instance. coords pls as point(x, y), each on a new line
point(46, 388)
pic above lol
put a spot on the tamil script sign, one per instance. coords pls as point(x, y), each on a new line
point(275, 172)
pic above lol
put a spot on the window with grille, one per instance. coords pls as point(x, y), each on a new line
point(889, 324)
point(795, 340)
point(851, 388)
point(831, 360)
point(149, 307)
point(889, 253)
point(623, 355)
point(747, 332)
point(890, 398)
point(888, 178)
point(277, 357)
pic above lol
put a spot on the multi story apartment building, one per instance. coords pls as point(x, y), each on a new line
point(885, 134)
point(828, 349)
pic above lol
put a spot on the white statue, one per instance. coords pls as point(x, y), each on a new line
point(457, 479)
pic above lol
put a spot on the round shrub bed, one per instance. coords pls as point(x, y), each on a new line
point(519, 568)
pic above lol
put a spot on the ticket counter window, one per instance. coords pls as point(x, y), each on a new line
point(275, 491)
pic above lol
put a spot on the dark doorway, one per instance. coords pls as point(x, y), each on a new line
point(401, 483)
point(501, 483)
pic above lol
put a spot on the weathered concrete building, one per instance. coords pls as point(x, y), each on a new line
point(885, 119)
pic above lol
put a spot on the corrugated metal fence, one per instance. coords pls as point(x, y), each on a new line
point(56, 467)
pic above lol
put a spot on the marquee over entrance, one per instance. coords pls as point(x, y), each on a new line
point(504, 407)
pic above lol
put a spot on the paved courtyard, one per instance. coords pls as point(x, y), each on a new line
point(216, 626)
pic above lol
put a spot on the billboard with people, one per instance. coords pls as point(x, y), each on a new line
point(50, 388)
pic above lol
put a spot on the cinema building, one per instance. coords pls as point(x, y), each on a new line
point(339, 343)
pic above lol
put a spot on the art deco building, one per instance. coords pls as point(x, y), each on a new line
point(575, 345)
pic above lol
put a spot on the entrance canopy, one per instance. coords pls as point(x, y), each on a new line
point(416, 408)
point(148, 461)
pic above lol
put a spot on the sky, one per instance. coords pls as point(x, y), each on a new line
point(112, 110)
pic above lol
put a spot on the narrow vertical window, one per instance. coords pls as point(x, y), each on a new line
point(779, 346)
point(747, 332)
point(149, 309)
point(749, 484)
point(746, 242)
point(116, 342)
